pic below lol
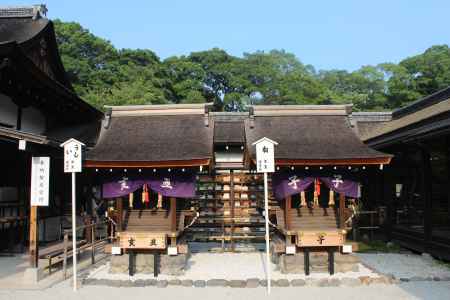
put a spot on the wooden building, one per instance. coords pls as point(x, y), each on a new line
point(415, 187)
point(316, 144)
point(38, 110)
point(151, 154)
point(317, 154)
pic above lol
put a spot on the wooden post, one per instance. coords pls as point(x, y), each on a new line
point(448, 179)
point(385, 184)
point(119, 214)
point(287, 214)
point(331, 260)
point(173, 214)
point(66, 245)
point(232, 209)
point(34, 237)
point(341, 210)
point(93, 242)
point(306, 263)
point(427, 198)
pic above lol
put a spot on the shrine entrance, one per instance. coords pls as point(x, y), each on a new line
point(230, 205)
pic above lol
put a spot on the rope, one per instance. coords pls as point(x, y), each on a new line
point(197, 215)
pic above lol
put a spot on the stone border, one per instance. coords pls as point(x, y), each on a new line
point(251, 282)
point(406, 279)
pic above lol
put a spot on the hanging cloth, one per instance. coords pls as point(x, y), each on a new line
point(331, 200)
point(317, 192)
point(160, 199)
point(130, 200)
point(145, 197)
point(302, 199)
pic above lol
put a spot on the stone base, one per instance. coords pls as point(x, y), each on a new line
point(294, 264)
point(32, 275)
point(169, 265)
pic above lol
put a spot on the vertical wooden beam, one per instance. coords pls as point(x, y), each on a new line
point(287, 214)
point(341, 210)
point(119, 213)
point(19, 118)
point(386, 186)
point(232, 208)
point(173, 214)
point(427, 198)
point(448, 180)
point(66, 245)
point(34, 237)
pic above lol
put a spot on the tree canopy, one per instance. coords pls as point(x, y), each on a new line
point(104, 75)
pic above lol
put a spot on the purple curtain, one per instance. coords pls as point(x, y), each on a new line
point(347, 187)
point(169, 184)
point(121, 186)
point(288, 184)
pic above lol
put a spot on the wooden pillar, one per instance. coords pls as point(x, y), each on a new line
point(287, 215)
point(34, 237)
point(232, 208)
point(341, 210)
point(173, 214)
point(427, 199)
point(119, 213)
point(388, 193)
point(448, 180)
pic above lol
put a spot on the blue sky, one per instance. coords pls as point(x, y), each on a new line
point(339, 34)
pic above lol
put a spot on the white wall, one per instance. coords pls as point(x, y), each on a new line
point(8, 111)
point(33, 121)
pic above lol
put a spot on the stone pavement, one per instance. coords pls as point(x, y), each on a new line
point(417, 290)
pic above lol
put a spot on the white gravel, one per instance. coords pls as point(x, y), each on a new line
point(229, 266)
point(405, 265)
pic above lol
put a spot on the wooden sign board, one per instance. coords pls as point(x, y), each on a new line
point(265, 155)
point(319, 238)
point(40, 175)
point(72, 155)
point(142, 240)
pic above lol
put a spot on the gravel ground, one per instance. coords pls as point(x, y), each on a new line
point(416, 290)
point(229, 266)
point(405, 265)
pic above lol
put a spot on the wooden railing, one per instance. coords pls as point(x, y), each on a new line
point(371, 226)
point(90, 243)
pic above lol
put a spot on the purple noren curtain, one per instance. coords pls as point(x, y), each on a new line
point(121, 186)
point(347, 187)
point(169, 184)
point(288, 184)
point(180, 185)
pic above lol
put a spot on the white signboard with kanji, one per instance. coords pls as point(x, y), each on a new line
point(72, 156)
point(265, 159)
point(40, 174)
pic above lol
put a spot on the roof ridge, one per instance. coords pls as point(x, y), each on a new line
point(24, 11)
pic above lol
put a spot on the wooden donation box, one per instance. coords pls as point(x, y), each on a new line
point(320, 238)
point(142, 240)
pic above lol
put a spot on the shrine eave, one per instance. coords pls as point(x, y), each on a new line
point(334, 162)
point(147, 164)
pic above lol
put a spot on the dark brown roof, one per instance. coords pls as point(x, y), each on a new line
point(35, 36)
point(310, 137)
point(229, 132)
point(154, 138)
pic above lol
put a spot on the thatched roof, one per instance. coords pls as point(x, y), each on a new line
point(424, 116)
point(154, 134)
point(309, 133)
